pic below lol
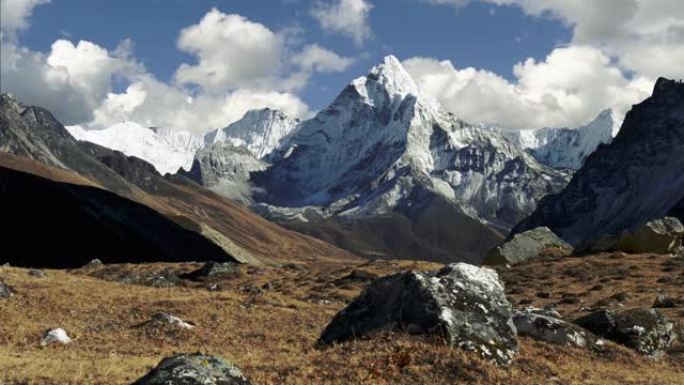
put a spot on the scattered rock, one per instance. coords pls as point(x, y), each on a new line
point(661, 236)
point(546, 325)
point(543, 294)
point(5, 291)
point(357, 276)
point(645, 330)
point(93, 263)
point(194, 369)
point(212, 269)
point(58, 336)
point(172, 320)
point(463, 302)
point(526, 245)
point(663, 301)
point(36, 273)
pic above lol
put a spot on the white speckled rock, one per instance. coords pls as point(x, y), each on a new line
point(463, 302)
point(539, 324)
point(194, 369)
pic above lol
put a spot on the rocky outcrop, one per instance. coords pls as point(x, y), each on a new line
point(526, 245)
point(545, 326)
point(194, 369)
point(462, 302)
point(55, 336)
point(645, 330)
point(636, 178)
point(213, 269)
point(661, 236)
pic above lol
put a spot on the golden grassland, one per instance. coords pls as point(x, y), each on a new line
point(267, 319)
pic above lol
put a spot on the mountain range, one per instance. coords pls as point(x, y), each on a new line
point(383, 171)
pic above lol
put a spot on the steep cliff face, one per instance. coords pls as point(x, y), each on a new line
point(636, 178)
point(566, 148)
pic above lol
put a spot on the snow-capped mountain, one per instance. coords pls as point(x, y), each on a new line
point(383, 144)
point(167, 150)
point(225, 169)
point(566, 147)
point(638, 177)
point(260, 131)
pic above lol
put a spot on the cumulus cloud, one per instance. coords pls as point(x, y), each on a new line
point(569, 88)
point(71, 80)
point(644, 36)
point(347, 17)
point(231, 52)
point(14, 15)
point(316, 58)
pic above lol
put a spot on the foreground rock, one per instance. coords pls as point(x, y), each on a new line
point(194, 369)
point(645, 330)
point(37, 273)
point(661, 236)
point(5, 291)
point(55, 336)
point(464, 303)
point(547, 326)
point(526, 245)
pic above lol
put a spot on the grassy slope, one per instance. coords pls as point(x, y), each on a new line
point(271, 335)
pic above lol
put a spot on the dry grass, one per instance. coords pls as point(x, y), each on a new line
point(266, 320)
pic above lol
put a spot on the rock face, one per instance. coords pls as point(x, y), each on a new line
point(661, 236)
point(5, 291)
point(566, 147)
point(538, 324)
point(258, 131)
point(167, 150)
point(194, 369)
point(58, 336)
point(524, 246)
point(636, 178)
point(464, 303)
point(225, 169)
point(645, 330)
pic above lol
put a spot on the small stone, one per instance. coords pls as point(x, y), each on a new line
point(36, 273)
point(93, 263)
point(171, 320)
point(663, 301)
point(5, 291)
point(58, 336)
point(194, 369)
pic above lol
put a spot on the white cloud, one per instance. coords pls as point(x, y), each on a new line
point(569, 88)
point(316, 58)
point(231, 52)
point(644, 36)
point(347, 17)
point(71, 81)
point(14, 15)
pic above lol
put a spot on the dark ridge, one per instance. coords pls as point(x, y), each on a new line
point(60, 225)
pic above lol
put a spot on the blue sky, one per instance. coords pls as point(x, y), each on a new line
point(478, 35)
point(197, 65)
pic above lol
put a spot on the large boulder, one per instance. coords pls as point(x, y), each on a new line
point(5, 291)
point(525, 245)
point(660, 236)
point(194, 369)
point(547, 326)
point(645, 330)
point(462, 302)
